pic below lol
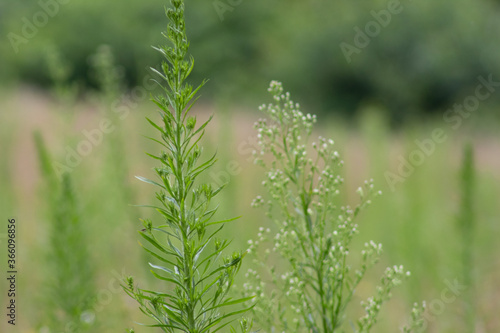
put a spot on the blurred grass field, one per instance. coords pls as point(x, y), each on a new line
point(80, 79)
point(416, 223)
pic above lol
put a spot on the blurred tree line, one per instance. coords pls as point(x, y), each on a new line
point(422, 58)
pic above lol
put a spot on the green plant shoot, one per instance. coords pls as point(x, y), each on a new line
point(197, 276)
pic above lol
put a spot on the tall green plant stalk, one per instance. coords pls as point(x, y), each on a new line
point(115, 169)
point(108, 77)
point(466, 222)
point(313, 281)
point(198, 277)
point(70, 285)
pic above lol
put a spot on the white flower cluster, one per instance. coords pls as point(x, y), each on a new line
point(314, 232)
point(261, 237)
point(256, 286)
point(288, 123)
point(371, 249)
point(393, 276)
point(417, 321)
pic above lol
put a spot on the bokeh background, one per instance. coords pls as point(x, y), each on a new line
point(77, 73)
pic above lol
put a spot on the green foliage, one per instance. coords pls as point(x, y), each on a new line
point(108, 78)
point(197, 275)
point(466, 219)
point(414, 74)
point(314, 282)
point(59, 73)
point(106, 73)
point(70, 290)
point(466, 223)
point(45, 163)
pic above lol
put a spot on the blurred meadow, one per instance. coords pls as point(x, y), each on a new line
point(402, 109)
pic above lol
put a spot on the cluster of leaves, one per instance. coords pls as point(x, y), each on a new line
point(198, 276)
point(312, 282)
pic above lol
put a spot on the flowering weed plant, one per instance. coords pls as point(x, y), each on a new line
point(311, 281)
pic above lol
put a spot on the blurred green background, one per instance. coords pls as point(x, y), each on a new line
point(426, 57)
point(90, 62)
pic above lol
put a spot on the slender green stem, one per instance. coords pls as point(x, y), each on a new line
point(186, 205)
